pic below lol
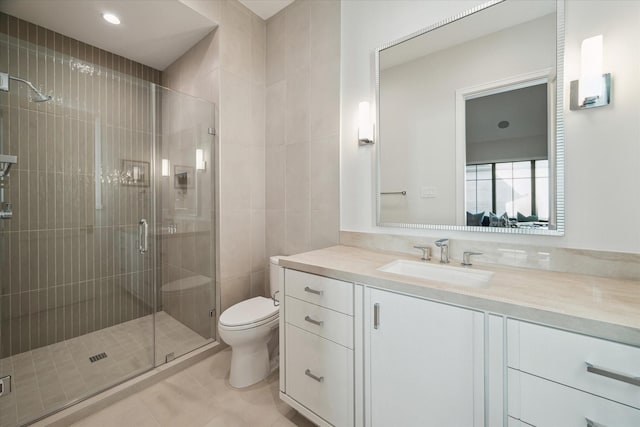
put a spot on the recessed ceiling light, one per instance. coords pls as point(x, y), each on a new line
point(111, 18)
point(503, 124)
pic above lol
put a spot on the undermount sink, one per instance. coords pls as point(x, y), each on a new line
point(442, 273)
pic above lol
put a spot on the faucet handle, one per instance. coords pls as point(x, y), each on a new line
point(466, 257)
point(426, 252)
point(442, 242)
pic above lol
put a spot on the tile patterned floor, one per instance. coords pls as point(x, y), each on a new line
point(48, 377)
point(201, 396)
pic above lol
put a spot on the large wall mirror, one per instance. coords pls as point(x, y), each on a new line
point(470, 133)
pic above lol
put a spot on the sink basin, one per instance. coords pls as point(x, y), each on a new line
point(442, 273)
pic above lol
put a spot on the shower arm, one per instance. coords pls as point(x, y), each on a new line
point(4, 86)
point(27, 82)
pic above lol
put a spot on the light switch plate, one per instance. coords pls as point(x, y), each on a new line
point(428, 192)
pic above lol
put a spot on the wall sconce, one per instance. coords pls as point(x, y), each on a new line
point(594, 88)
point(165, 167)
point(201, 164)
point(365, 127)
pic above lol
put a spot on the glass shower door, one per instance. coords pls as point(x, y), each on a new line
point(185, 319)
point(107, 263)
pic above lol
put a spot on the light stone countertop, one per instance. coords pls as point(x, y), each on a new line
point(596, 306)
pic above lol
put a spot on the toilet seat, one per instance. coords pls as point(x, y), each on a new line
point(248, 314)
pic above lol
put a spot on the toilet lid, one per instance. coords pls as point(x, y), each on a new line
point(249, 311)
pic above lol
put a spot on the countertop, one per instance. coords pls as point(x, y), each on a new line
point(596, 306)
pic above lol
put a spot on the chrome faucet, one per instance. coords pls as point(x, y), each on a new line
point(466, 257)
point(443, 244)
point(426, 252)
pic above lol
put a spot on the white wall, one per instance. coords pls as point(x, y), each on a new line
point(602, 145)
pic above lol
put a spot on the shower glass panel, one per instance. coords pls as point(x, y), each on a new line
point(186, 282)
point(106, 264)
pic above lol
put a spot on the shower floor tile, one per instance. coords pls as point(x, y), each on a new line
point(46, 378)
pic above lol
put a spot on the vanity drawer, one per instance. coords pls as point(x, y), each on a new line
point(563, 357)
point(544, 403)
point(329, 324)
point(330, 293)
point(330, 393)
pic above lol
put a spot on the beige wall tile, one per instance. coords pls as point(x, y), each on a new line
point(297, 225)
point(235, 102)
point(275, 179)
point(258, 115)
point(257, 160)
point(235, 243)
point(258, 248)
point(324, 99)
point(234, 290)
point(235, 178)
point(297, 107)
point(297, 177)
point(325, 228)
point(275, 232)
point(297, 53)
point(236, 16)
point(324, 175)
point(236, 54)
point(275, 61)
point(275, 112)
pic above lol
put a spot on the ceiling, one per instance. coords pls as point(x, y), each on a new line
point(152, 32)
point(525, 109)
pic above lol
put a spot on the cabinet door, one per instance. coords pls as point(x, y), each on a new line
point(424, 362)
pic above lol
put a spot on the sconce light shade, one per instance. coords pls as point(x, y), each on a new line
point(165, 167)
point(594, 88)
point(201, 164)
point(365, 127)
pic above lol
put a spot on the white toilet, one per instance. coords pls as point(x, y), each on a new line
point(248, 327)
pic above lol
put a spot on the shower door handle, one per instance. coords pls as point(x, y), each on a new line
point(143, 236)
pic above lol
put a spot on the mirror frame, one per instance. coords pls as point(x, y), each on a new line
point(559, 132)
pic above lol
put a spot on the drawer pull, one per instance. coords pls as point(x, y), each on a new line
point(376, 316)
point(312, 291)
point(310, 375)
point(613, 374)
point(591, 423)
point(315, 322)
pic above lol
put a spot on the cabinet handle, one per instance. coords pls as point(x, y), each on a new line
point(312, 291)
point(310, 375)
point(591, 423)
point(598, 370)
point(315, 322)
point(376, 316)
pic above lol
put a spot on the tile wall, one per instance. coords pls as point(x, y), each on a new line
point(68, 264)
point(303, 127)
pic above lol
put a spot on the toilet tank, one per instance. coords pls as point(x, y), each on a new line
point(276, 276)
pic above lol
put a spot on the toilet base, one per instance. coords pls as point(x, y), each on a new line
point(249, 366)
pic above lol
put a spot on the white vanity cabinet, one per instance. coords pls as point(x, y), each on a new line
point(560, 378)
point(317, 352)
point(424, 362)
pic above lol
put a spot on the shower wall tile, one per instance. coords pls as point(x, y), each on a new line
point(302, 127)
point(68, 253)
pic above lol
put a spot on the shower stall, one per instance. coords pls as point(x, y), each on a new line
point(107, 242)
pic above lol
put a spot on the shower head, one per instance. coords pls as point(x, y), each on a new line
point(37, 97)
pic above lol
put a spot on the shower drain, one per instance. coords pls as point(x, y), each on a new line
point(98, 357)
